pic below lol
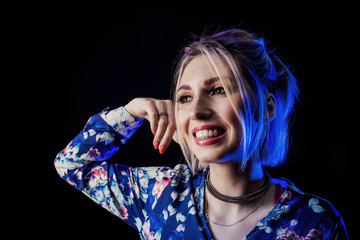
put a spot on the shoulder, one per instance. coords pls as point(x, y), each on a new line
point(312, 203)
point(312, 211)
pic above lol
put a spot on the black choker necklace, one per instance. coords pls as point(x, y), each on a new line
point(241, 199)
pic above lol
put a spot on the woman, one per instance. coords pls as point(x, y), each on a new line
point(230, 115)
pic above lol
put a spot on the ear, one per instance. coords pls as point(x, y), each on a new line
point(176, 137)
point(271, 106)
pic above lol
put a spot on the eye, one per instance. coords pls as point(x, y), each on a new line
point(183, 99)
point(218, 90)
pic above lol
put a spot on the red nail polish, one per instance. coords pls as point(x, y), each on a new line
point(154, 132)
point(162, 149)
point(156, 145)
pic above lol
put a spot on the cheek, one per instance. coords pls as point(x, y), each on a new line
point(182, 124)
point(234, 123)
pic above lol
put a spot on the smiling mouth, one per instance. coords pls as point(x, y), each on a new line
point(209, 133)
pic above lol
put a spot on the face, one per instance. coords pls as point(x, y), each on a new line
point(206, 119)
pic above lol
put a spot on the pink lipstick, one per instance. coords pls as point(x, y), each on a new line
point(208, 134)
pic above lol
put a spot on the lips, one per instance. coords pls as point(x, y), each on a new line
point(208, 134)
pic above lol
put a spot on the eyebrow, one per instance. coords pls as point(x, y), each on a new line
point(210, 81)
point(207, 82)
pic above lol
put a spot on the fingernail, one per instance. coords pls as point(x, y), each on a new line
point(156, 145)
point(162, 149)
point(154, 132)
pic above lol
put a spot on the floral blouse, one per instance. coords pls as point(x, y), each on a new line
point(167, 203)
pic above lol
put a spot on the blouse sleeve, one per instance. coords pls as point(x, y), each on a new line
point(82, 164)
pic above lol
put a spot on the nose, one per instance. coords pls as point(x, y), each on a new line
point(200, 110)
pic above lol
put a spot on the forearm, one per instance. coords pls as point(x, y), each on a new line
point(101, 137)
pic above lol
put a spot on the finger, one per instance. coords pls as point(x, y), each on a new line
point(166, 140)
point(152, 116)
point(171, 112)
point(162, 125)
point(170, 128)
point(161, 106)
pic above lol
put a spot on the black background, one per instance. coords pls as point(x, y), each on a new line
point(82, 60)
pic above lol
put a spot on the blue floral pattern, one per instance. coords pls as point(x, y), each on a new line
point(167, 203)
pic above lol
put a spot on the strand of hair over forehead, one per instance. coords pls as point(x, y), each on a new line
point(214, 55)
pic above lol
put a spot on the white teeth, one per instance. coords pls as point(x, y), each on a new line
point(203, 134)
point(216, 132)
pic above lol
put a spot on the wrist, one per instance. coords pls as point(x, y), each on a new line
point(130, 113)
point(121, 121)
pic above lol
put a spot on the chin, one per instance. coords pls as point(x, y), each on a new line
point(207, 156)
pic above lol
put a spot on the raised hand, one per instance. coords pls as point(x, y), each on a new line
point(160, 114)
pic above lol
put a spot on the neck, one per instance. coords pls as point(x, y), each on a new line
point(228, 180)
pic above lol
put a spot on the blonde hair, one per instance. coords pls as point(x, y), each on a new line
point(247, 71)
